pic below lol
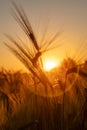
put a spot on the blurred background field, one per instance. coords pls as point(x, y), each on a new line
point(24, 104)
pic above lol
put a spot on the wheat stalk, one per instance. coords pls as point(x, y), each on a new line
point(30, 59)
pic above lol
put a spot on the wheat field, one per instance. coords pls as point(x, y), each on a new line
point(40, 100)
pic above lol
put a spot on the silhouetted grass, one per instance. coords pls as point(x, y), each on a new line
point(35, 98)
point(51, 113)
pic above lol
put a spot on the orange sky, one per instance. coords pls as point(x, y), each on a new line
point(69, 16)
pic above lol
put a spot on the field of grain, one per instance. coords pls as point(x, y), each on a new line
point(23, 106)
point(39, 99)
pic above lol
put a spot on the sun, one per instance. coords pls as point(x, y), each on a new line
point(49, 65)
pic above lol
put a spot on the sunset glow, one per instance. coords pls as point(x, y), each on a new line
point(49, 65)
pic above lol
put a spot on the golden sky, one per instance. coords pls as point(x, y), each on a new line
point(56, 15)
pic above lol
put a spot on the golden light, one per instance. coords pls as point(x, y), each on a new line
point(49, 65)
